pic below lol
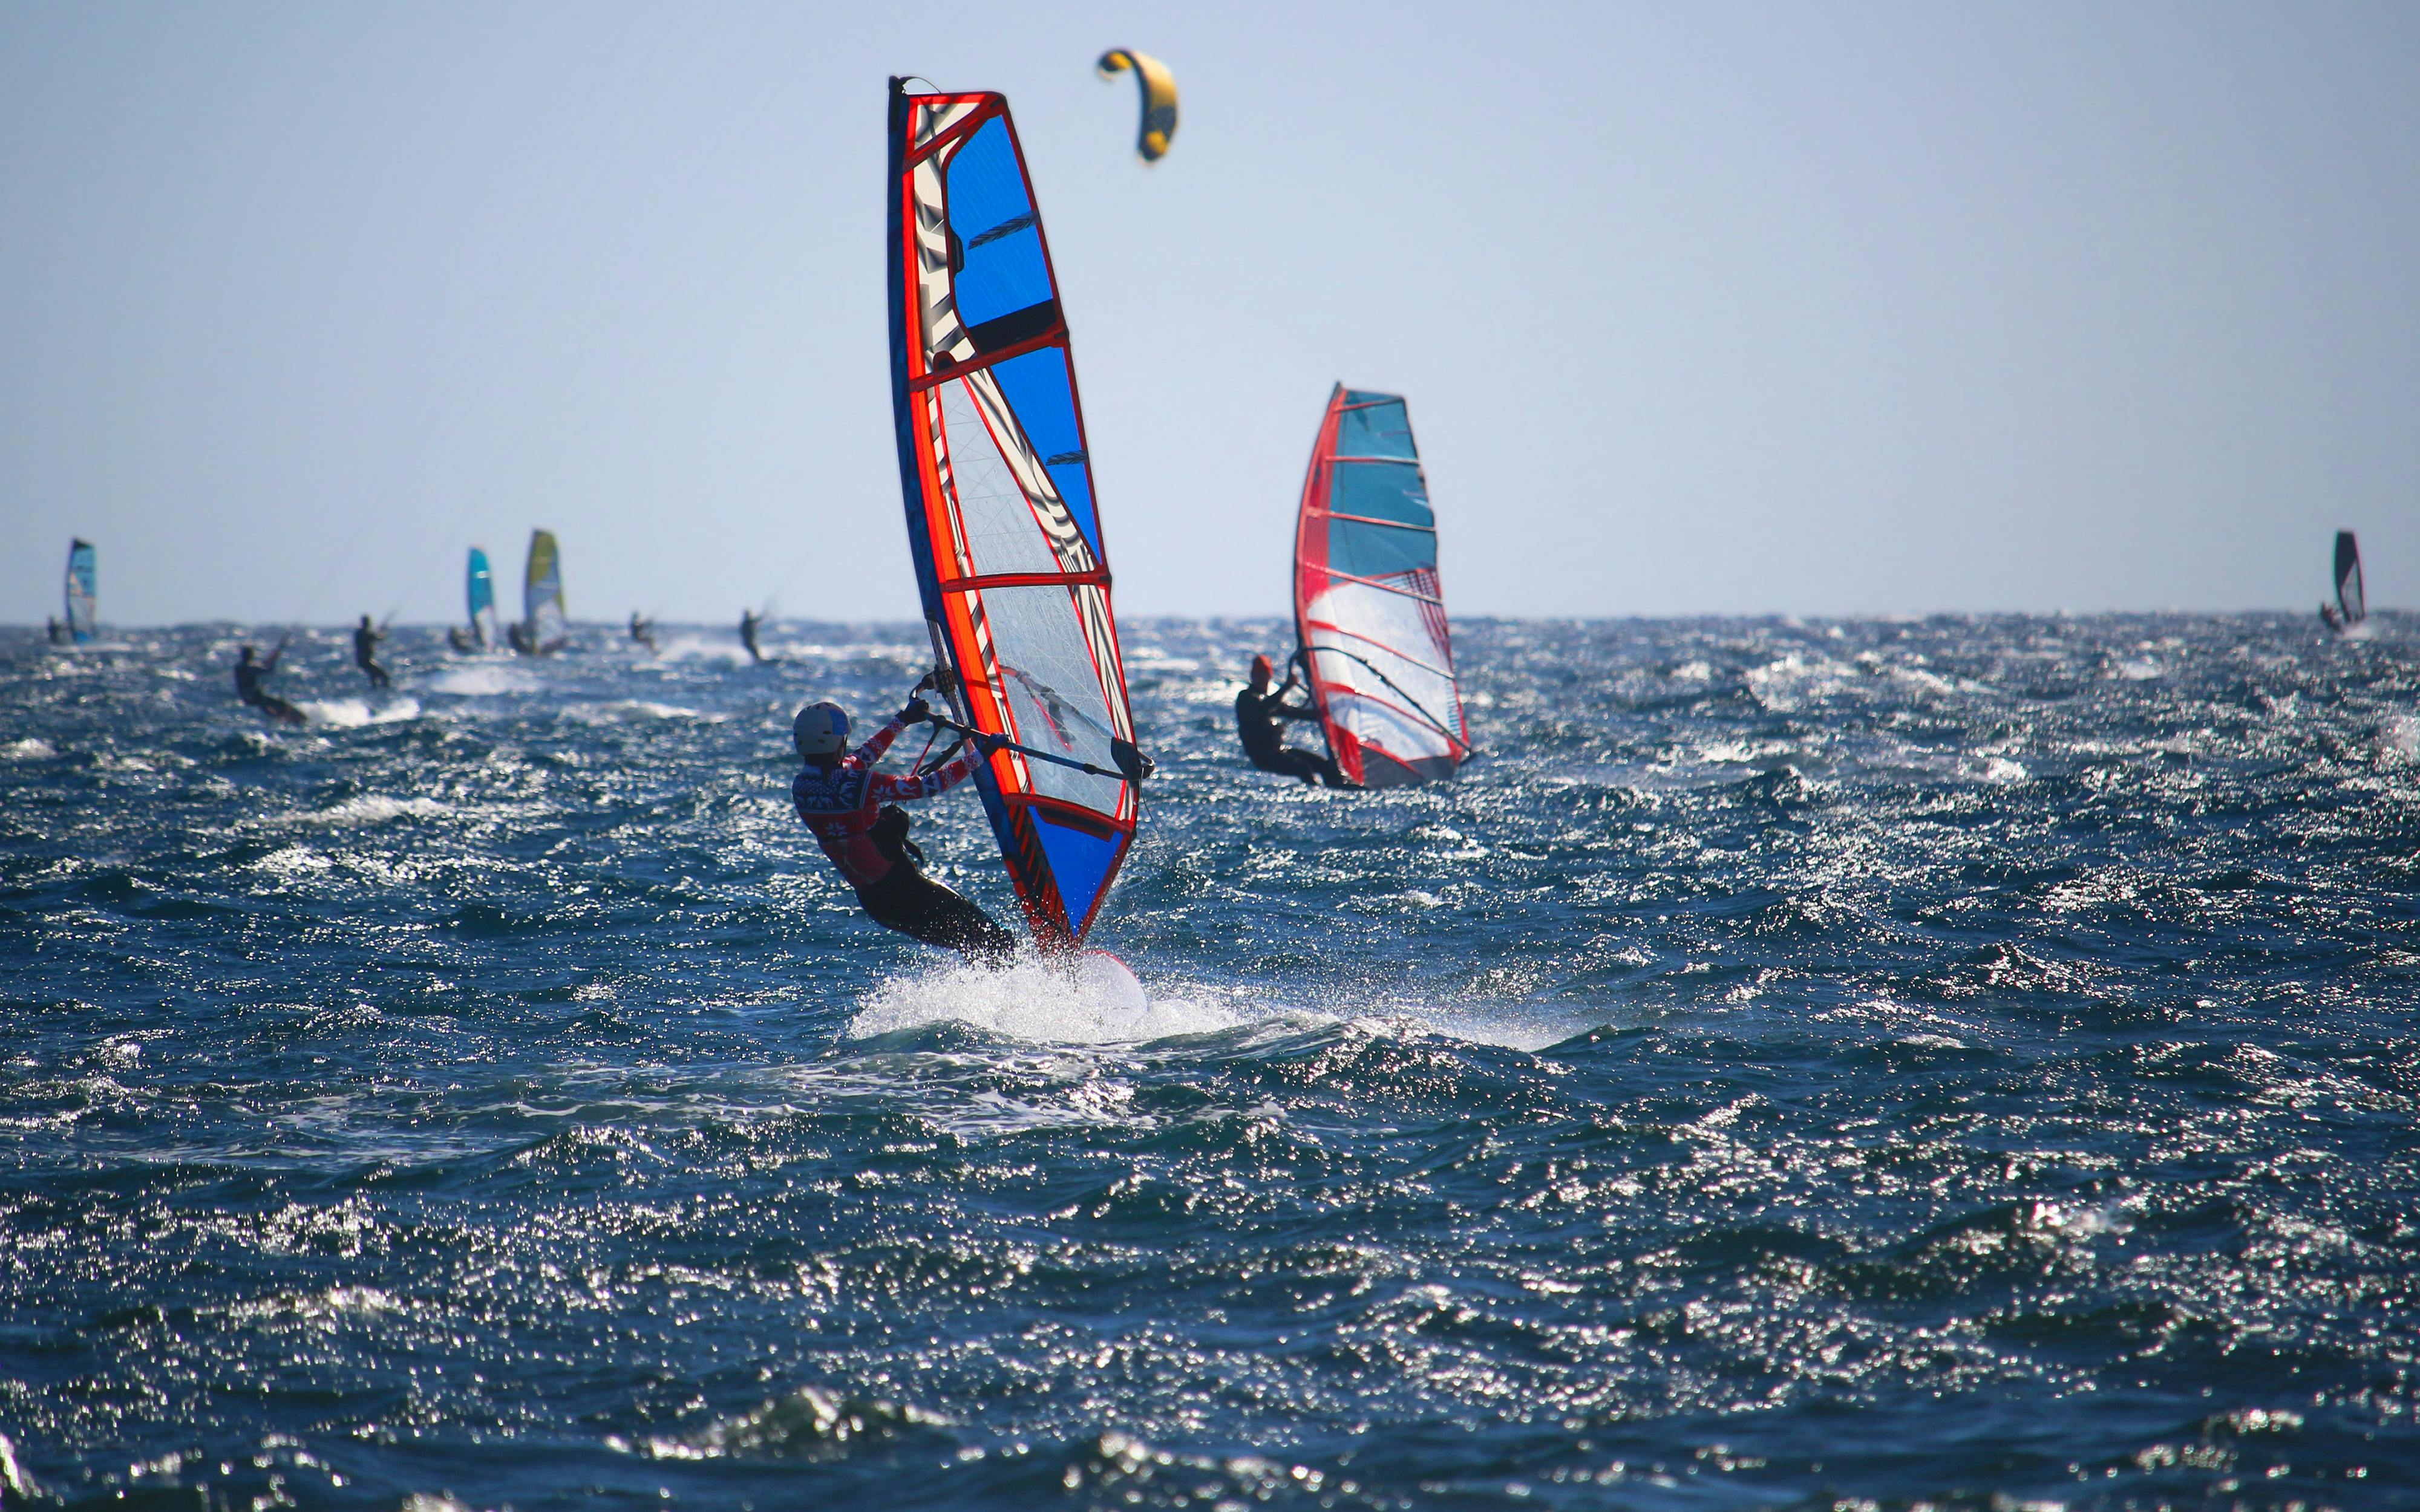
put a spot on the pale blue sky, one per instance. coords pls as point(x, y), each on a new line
point(1698, 308)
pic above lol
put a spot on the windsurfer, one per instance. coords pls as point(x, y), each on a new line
point(56, 635)
point(846, 802)
point(517, 636)
point(642, 629)
point(1258, 709)
point(250, 674)
point(365, 639)
point(749, 622)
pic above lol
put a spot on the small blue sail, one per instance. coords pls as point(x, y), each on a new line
point(83, 605)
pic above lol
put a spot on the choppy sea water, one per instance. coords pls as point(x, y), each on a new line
point(1965, 1063)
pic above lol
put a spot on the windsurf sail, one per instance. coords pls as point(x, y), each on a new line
point(2348, 591)
point(479, 591)
point(84, 606)
point(1369, 609)
point(544, 619)
point(1001, 514)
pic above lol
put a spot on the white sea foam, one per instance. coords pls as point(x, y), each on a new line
point(351, 714)
point(1098, 1003)
point(480, 680)
point(625, 709)
point(2398, 736)
point(697, 648)
point(2141, 671)
point(28, 750)
point(375, 807)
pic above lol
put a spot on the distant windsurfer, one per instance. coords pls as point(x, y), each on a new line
point(2332, 617)
point(1258, 709)
point(749, 622)
point(57, 634)
point(642, 629)
point(250, 674)
point(365, 642)
point(517, 636)
point(846, 802)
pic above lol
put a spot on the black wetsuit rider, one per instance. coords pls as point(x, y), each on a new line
point(251, 674)
point(365, 639)
point(1258, 709)
point(55, 637)
point(642, 629)
point(748, 621)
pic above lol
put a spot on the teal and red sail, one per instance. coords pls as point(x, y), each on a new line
point(1369, 607)
point(1001, 514)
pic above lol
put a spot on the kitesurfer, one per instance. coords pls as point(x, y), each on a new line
point(642, 629)
point(249, 676)
point(748, 621)
point(365, 639)
point(1258, 709)
point(844, 801)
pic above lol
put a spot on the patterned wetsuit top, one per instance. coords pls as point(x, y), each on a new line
point(841, 805)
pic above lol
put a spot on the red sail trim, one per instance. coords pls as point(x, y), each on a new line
point(934, 377)
point(1413, 715)
point(994, 105)
point(1380, 586)
point(1099, 578)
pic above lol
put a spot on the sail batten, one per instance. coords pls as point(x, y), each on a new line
point(83, 593)
point(996, 475)
point(1369, 607)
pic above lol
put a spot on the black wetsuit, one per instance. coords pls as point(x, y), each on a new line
point(1256, 725)
point(249, 676)
point(365, 655)
point(747, 624)
point(643, 631)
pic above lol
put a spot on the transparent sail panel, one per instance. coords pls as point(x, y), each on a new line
point(1053, 689)
point(1386, 671)
point(1002, 533)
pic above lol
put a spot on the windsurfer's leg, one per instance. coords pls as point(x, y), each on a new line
point(920, 908)
point(1296, 764)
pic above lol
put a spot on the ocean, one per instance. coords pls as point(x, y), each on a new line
point(1947, 1063)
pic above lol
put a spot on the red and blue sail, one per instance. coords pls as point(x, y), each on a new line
point(1001, 516)
point(1369, 606)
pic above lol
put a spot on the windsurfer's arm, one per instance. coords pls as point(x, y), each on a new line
point(878, 743)
point(930, 784)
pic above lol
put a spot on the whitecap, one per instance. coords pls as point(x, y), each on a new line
point(480, 681)
point(375, 807)
point(1098, 1002)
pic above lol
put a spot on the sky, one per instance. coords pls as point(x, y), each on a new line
point(1705, 308)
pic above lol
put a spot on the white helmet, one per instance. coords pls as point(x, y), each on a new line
point(819, 728)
